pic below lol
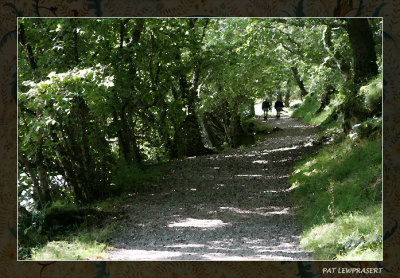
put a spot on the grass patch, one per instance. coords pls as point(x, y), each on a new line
point(86, 240)
point(342, 182)
point(70, 250)
point(307, 112)
point(352, 236)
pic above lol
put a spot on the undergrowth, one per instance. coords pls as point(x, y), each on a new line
point(307, 112)
point(70, 250)
point(338, 193)
point(66, 231)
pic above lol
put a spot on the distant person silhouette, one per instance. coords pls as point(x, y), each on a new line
point(278, 108)
point(265, 107)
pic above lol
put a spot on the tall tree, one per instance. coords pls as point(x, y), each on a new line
point(363, 47)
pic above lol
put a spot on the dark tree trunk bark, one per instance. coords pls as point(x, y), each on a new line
point(88, 168)
point(325, 100)
point(363, 46)
point(27, 47)
point(342, 64)
point(287, 99)
point(134, 148)
point(192, 130)
point(176, 149)
point(299, 81)
point(236, 132)
point(252, 109)
point(42, 174)
point(76, 52)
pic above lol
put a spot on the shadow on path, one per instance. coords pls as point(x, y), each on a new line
point(230, 206)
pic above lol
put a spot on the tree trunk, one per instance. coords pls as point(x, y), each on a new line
point(191, 130)
point(325, 99)
point(31, 171)
point(236, 132)
point(193, 141)
point(287, 99)
point(299, 81)
point(127, 140)
point(87, 160)
point(68, 155)
point(42, 174)
point(27, 47)
point(363, 46)
point(342, 64)
point(252, 109)
point(134, 148)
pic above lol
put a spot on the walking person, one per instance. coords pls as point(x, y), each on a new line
point(278, 108)
point(265, 107)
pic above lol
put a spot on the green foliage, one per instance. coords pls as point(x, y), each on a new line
point(75, 250)
point(343, 179)
point(307, 111)
point(372, 93)
point(31, 230)
point(63, 226)
point(133, 178)
point(92, 92)
point(369, 128)
point(351, 236)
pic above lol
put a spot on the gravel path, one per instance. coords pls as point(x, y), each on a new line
point(231, 206)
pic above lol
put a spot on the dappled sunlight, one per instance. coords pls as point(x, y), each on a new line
point(280, 248)
point(223, 257)
point(283, 160)
point(277, 177)
point(189, 245)
point(231, 206)
point(260, 162)
point(148, 255)
point(264, 211)
point(302, 126)
point(250, 176)
point(149, 153)
point(198, 223)
point(277, 190)
point(262, 176)
point(219, 185)
point(282, 149)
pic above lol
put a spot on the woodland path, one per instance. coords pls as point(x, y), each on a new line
point(233, 205)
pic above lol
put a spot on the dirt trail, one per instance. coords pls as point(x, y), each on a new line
point(229, 206)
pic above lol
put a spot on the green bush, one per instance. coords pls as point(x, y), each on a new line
point(132, 178)
point(372, 93)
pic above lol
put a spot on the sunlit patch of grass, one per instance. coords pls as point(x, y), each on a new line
point(87, 243)
point(70, 250)
point(344, 178)
point(105, 221)
point(362, 255)
point(352, 236)
point(307, 108)
point(307, 112)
